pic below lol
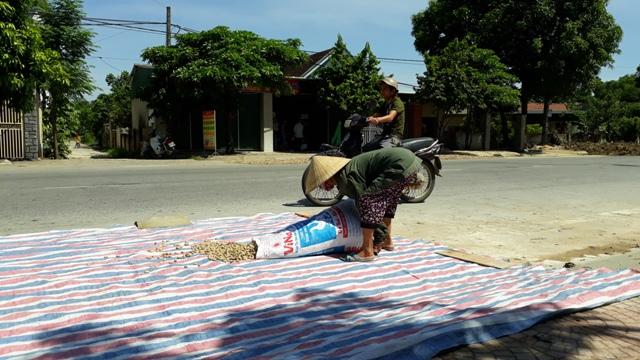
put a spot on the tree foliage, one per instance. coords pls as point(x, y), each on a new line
point(112, 108)
point(63, 34)
point(24, 60)
point(612, 112)
point(118, 101)
point(350, 83)
point(554, 47)
point(464, 76)
point(212, 67)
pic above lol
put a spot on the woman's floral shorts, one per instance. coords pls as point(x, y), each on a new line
point(382, 204)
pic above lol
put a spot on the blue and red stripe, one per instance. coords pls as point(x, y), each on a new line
point(106, 293)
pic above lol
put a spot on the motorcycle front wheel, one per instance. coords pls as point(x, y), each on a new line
point(320, 196)
point(421, 193)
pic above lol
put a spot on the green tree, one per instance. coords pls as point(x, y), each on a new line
point(63, 33)
point(612, 112)
point(350, 83)
point(211, 68)
point(99, 116)
point(464, 76)
point(553, 47)
point(84, 117)
point(24, 60)
point(579, 38)
point(638, 76)
point(119, 99)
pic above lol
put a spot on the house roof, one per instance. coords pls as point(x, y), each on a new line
point(140, 77)
point(306, 70)
point(537, 108)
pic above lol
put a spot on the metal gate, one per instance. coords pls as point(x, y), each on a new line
point(11, 133)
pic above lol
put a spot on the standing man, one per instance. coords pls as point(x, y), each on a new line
point(390, 115)
point(298, 135)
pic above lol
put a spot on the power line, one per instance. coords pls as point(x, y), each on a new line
point(110, 36)
point(386, 59)
point(400, 62)
point(132, 24)
point(407, 84)
point(139, 22)
point(113, 58)
point(404, 60)
point(111, 66)
point(120, 25)
point(128, 28)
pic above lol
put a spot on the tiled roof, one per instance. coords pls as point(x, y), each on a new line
point(554, 107)
point(308, 68)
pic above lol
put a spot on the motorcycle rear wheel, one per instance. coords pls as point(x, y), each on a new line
point(422, 193)
point(320, 196)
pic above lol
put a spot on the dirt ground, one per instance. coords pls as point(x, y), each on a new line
point(542, 237)
point(620, 148)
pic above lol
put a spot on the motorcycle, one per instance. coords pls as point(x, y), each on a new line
point(160, 147)
point(362, 137)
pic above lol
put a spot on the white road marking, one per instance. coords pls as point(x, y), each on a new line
point(86, 186)
point(145, 166)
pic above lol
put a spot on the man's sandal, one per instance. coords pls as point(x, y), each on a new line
point(357, 258)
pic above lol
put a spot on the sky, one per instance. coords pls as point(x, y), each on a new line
point(385, 25)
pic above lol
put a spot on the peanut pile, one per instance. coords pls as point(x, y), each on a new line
point(226, 251)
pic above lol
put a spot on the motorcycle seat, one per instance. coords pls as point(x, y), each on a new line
point(415, 144)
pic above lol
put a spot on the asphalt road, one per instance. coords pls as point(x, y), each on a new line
point(506, 194)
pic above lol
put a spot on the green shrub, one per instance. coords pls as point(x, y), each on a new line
point(88, 138)
point(117, 153)
point(627, 128)
point(534, 129)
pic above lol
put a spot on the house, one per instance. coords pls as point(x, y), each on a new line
point(21, 132)
point(559, 120)
point(424, 119)
point(303, 104)
point(251, 128)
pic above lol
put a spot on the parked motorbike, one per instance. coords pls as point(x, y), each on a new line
point(160, 147)
point(362, 137)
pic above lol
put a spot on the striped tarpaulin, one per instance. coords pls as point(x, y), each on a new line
point(129, 293)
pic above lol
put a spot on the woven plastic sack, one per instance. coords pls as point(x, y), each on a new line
point(334, 230)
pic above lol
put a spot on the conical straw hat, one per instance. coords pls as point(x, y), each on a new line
point(321, 169)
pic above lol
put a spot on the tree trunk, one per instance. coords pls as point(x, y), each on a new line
point(545, 122)
point(231, 125)
point(440, 124)
point(54, 131)
point(468, 138)
point(505, 129)
point(521, 134)
point(486, 134)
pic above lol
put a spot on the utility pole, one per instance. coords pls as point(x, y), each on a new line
point(168, 40)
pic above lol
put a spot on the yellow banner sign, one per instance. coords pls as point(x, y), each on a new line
point(209, 129)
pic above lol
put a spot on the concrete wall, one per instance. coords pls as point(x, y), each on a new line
point(266, 122)
point(139, 114)
point(33, 132)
